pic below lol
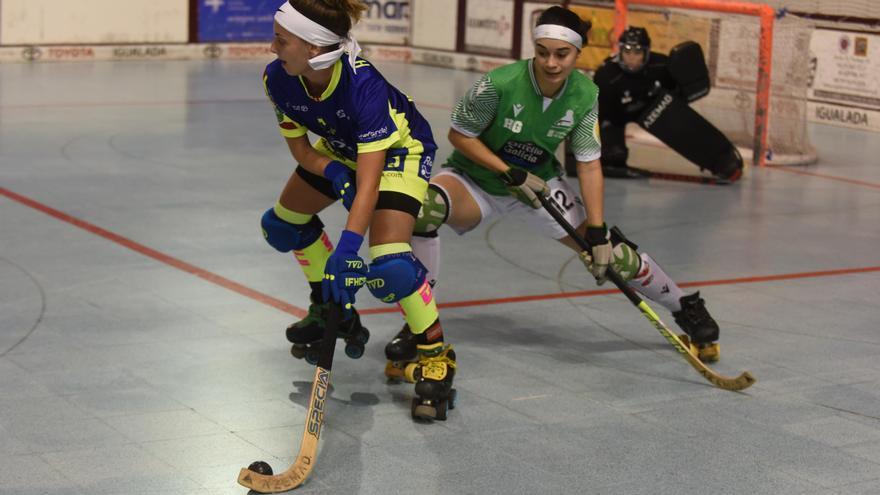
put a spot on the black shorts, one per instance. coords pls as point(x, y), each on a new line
point(388, 200)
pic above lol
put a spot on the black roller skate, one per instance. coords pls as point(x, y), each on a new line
point(432, 374)
point(306, 334)
point(701, 330)
point(400, 352)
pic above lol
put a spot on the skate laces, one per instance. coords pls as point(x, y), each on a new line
point(435, 367)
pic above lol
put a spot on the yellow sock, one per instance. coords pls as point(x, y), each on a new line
point(313, 258)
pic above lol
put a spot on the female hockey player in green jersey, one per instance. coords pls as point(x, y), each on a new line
point(505, 131)
point(318, 84)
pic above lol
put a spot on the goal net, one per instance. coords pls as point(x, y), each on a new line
point(759, 67)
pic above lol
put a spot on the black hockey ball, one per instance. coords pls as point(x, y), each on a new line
point(261, 467)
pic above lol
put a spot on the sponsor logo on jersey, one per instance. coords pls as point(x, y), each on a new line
point(297, 108)
point(567, 120)
point(517, 108)
point(524, 154)
point(425, 167)
point(326, 128)
point(374, 134)
point(341, 149)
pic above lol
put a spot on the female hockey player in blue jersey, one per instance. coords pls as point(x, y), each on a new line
point(505, 131)
point(319, 84)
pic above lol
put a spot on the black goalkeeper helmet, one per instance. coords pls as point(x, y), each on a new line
point(634, 39)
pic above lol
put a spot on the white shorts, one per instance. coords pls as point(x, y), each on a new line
point(492, 207)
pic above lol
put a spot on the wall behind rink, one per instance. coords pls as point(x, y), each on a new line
point(34, 22)
point(462, 34)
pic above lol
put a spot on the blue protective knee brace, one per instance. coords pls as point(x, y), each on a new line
point(395, 276)
point(286, 237)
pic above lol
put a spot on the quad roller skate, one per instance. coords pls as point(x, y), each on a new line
point(433, 374)
point(306, 334)
point(400, 352)
point(701, 331)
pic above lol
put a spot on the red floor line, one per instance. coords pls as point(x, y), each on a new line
point(603, 292)
point(299, 312)
point(156, 255)
point(788, 168)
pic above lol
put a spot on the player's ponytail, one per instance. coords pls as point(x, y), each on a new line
point(561, 16)
point(336, 15)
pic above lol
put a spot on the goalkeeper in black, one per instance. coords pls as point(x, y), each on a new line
point(653, 90)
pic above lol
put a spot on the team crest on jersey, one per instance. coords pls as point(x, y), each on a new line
point(567, 120)
point(517, 108)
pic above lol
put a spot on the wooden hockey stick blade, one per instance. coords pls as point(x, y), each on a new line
point(305, 461)
point(308, 447)
point(741, 382)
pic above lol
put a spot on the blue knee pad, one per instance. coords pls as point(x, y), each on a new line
point(395, 276)
point(286, 237)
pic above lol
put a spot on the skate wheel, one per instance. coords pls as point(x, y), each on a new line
point(363, 336)
point(412, 372)
point(394, 370)
point(354, 350)
point(423, 411)
point(441, 409)
point(312, 357)
point(453, 397)
point(297, 351)
point(709, 353)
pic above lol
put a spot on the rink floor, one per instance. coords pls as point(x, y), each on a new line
point(142, 315)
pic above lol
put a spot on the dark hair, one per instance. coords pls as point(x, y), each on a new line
point(335, 15)
point(561, 16)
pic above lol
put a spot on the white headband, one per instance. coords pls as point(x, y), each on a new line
point(318, 35)
point(557, 32)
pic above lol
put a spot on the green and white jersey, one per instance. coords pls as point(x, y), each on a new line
point(508, 113)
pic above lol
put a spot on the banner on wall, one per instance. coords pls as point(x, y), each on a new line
point(489, 27)
point(664, 33)
point(385, 21)
point(846, 68)
point(236, 20)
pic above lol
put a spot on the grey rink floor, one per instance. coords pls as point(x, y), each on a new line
point(142, 315)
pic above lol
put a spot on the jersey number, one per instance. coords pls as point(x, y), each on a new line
point(562, 199)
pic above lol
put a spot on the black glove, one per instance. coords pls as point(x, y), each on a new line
point(524, 186)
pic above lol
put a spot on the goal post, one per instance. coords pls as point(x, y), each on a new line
point(778, 124)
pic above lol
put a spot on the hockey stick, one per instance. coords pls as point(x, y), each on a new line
point(741, 382)
point(308, 449)
point(697, 179)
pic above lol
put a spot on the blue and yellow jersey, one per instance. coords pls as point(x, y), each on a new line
point(357, 113)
